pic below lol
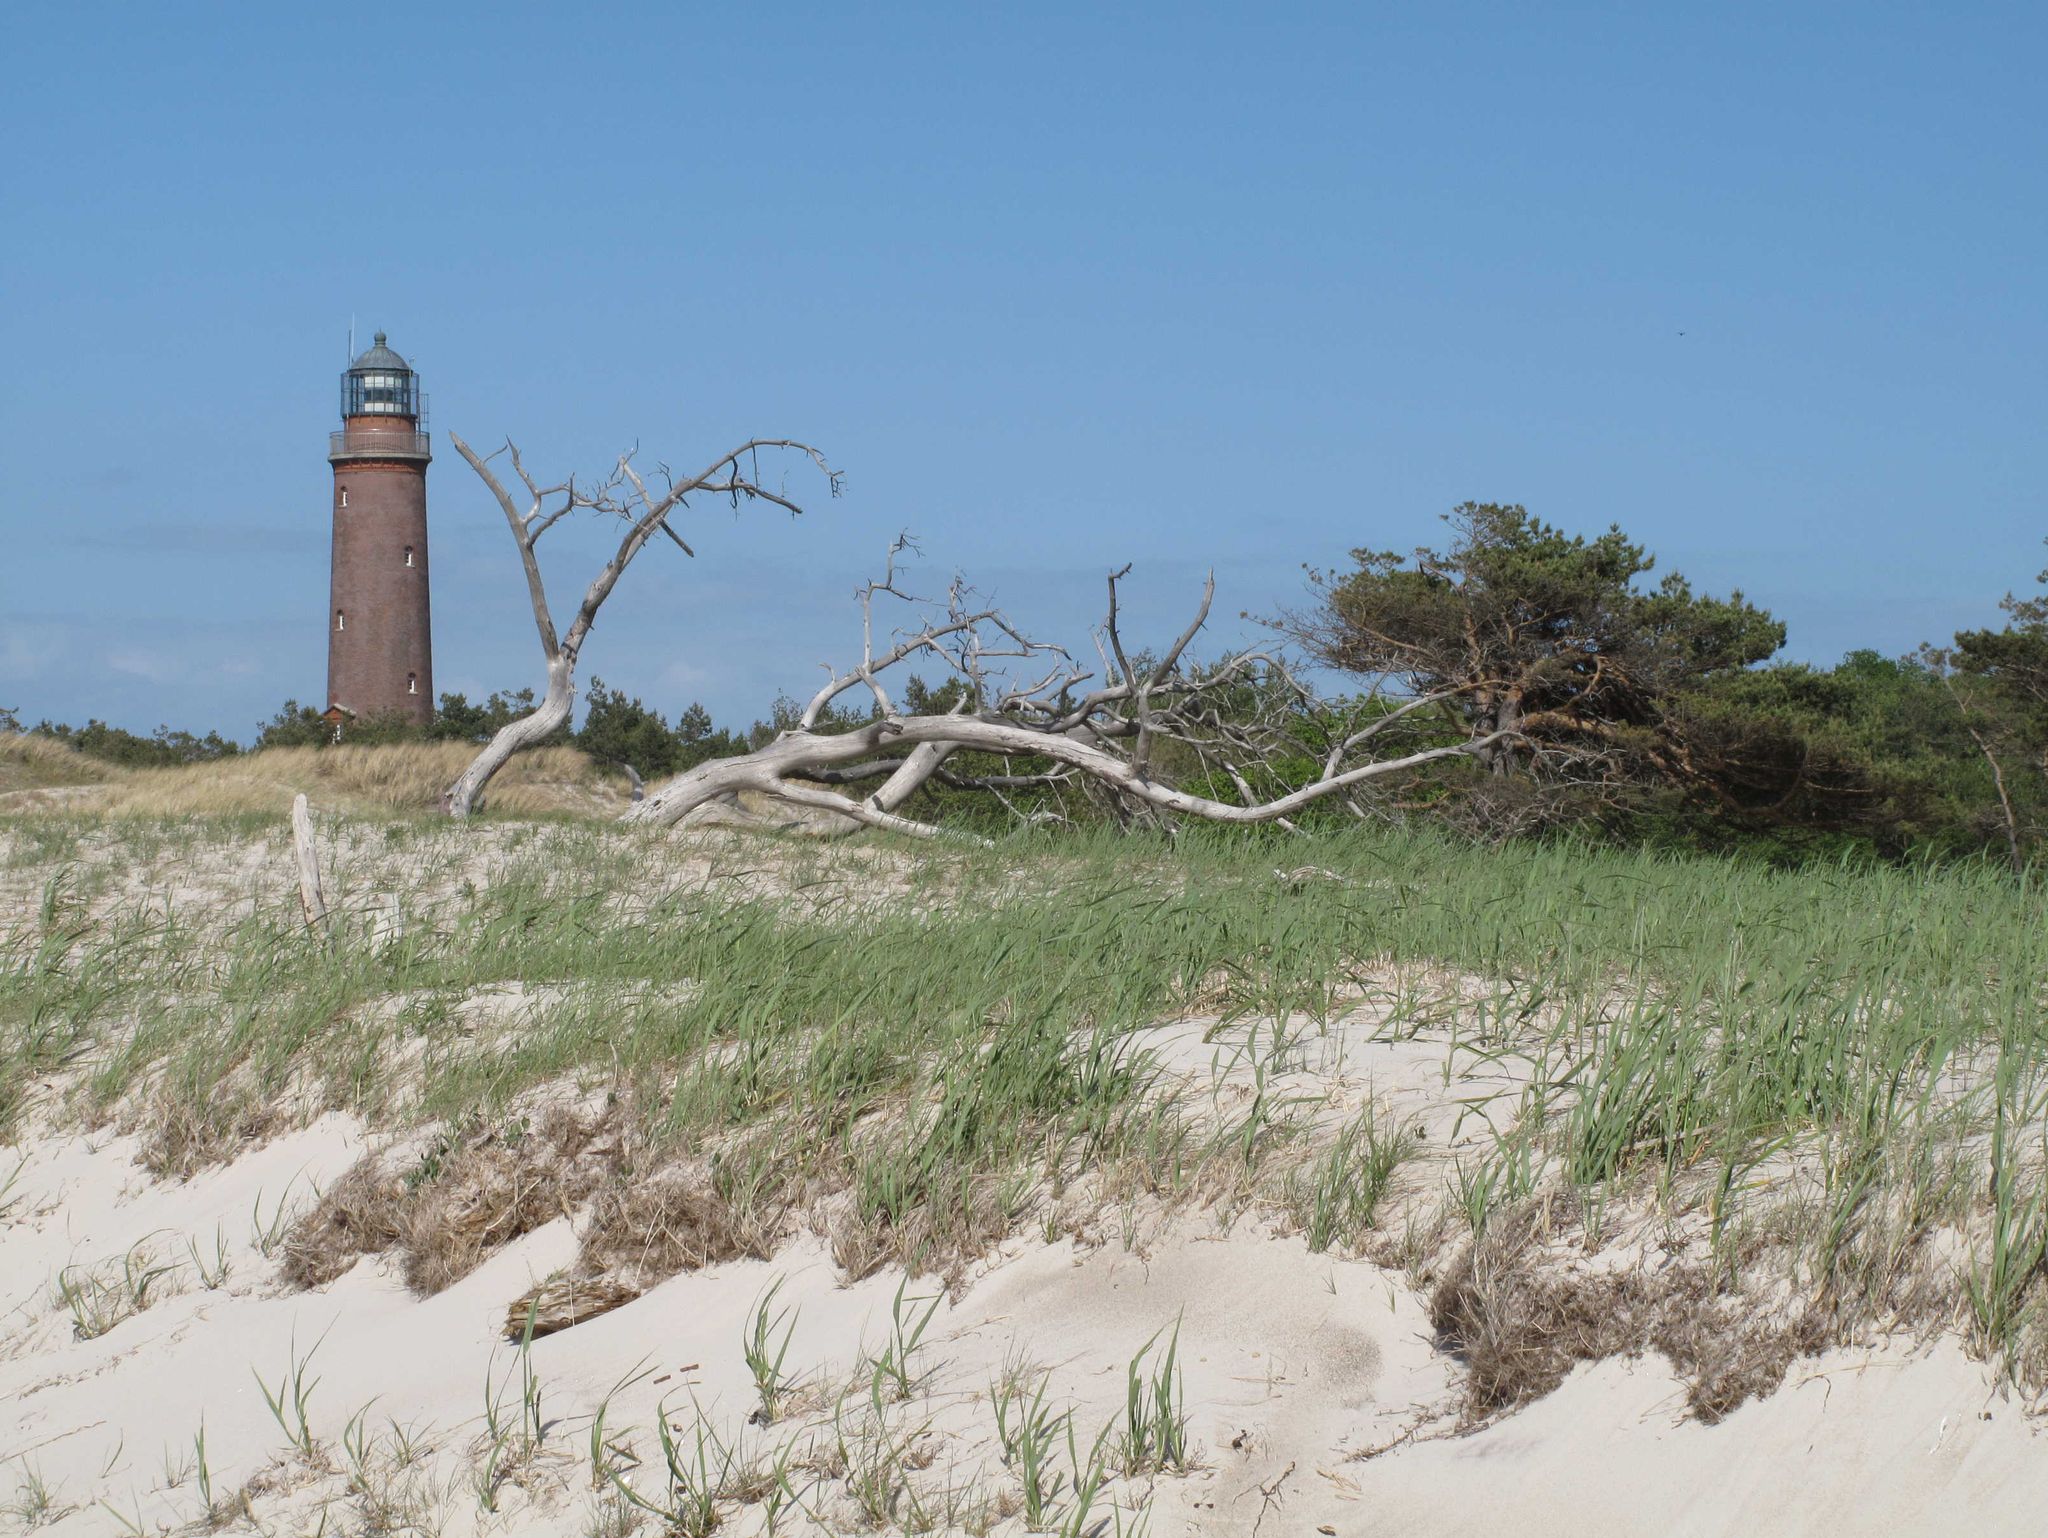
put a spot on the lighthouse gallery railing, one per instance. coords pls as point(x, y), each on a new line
point(403, 445)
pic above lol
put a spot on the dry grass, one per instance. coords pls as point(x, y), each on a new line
point(402, 777)
point(676, 1221)
point(969, 1220)
point(395, 777)
point(360, 1214)
point(638, 1232)
point(459, 1205)
point(489, 1192)
point(462, 1202)
point(181, 1137)
point(30, 763)
point(1521, 1316)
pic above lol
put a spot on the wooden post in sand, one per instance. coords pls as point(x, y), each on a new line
point(309, 866)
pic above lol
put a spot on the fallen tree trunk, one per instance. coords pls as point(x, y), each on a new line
point(801, 755)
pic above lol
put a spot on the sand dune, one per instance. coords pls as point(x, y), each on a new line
point(1298, 1369)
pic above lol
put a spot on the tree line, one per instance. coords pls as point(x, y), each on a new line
point(1614, 708)
point(616, 729)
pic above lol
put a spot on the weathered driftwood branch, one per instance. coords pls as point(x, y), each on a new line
point(626, 495)
point(311, 898)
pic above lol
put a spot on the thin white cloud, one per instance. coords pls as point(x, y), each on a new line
point(156, 666)
point(684, 675)
point(27, 653)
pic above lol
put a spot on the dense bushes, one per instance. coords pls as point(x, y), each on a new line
point(1653, 714)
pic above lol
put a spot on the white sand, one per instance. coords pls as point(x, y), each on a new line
point(1295, 1364)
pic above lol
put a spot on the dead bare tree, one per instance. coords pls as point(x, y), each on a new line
point(1023, 698)
point(625, 495)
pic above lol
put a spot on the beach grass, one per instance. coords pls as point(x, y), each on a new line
point(1831, 1073)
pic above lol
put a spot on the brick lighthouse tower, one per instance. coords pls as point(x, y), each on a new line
point(380, 648)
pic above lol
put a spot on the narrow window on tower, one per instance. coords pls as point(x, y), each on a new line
point(408, 555)
point(412, 683)
point(340, 620)
point(344, 496)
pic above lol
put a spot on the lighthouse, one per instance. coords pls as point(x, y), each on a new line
point(380, 648)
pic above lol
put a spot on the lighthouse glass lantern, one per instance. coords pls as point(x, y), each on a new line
point(379, 384)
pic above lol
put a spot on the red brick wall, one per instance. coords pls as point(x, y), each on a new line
point(380, 658)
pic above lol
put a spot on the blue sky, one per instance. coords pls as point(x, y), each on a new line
point(1057, 287)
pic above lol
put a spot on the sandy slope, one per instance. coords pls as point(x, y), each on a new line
point(1295, 1365)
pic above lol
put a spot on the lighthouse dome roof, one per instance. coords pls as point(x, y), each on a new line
point(379, 357)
